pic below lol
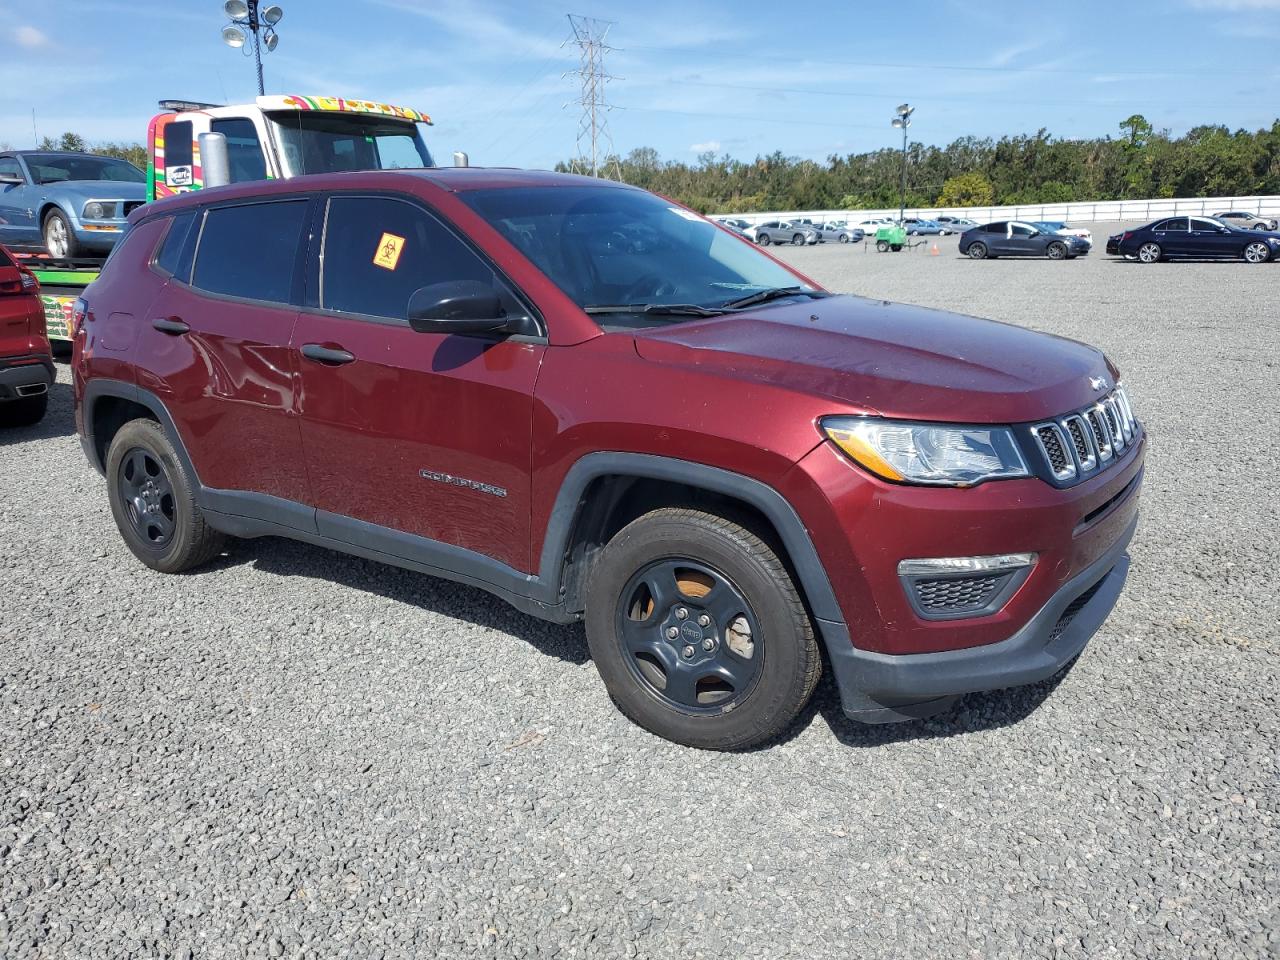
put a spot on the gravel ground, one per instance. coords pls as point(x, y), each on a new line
point(298, 754)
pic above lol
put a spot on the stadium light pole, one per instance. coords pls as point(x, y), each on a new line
point(244, 13)
point(902, 121)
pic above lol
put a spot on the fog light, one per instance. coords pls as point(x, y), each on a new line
point(940, 566)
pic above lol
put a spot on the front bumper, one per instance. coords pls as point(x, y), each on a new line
point(25, 377)
point(879, 688)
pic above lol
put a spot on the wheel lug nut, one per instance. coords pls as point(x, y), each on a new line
point(673, 632)
point(688, 652)
point(681, 613)
point(704, 620)
point(708, 644)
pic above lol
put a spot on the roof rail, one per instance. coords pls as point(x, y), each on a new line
point(177, 106)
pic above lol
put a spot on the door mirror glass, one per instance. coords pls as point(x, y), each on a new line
point(456, 306)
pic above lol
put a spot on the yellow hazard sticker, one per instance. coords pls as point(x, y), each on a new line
point(388, 253)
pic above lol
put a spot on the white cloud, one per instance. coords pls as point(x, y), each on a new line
point(712, 145)
point(30, 37)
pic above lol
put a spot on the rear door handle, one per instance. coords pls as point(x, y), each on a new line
point(334, 356)
point(170, 325)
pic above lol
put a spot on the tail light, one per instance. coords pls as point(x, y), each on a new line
point(29, 282)
point(1125, 236)
point(79, 310)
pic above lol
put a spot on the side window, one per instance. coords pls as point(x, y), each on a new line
point(1022, 230)
point(170, 256)
point(378, 251)
point(244, 150)
point(1000, 227)
point(177, 154)
point(9, 166)
point(1198, 224)
point(250, 250)
point(1174, 224)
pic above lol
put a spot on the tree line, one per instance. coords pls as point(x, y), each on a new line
point(1141, 162)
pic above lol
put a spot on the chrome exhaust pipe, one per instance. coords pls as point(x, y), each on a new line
point(32, 389)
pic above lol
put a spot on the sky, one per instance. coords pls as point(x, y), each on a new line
point(741, 78)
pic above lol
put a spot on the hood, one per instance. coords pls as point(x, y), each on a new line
point(96, 190)
point(892, 359)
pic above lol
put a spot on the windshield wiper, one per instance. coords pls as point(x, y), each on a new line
point(774, 293)
point(673, 309)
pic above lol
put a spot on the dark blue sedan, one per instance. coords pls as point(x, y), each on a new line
point(1196, 238)
point(1013, 238)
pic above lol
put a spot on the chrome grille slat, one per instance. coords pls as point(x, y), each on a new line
point(1086, 458)
point(1101, 436)
point(1079, 444)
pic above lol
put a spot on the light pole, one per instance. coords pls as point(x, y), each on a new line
point(244, 13)
point(903, 120)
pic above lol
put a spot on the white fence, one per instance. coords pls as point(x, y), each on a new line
point(1102, 210)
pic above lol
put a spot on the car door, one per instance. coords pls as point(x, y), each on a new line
point(411, 435)
point(1174, 237)
point(17, 213)
point(1025, 241)
point(216, 350)
point(1208, 239)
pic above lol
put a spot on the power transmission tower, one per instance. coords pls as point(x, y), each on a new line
point(593, 128)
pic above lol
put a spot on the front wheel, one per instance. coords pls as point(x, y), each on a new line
point(698, 632)
point(763, 239)
point(58, 238)
point(153, 501)
point(843, 238)
point(1057, 251)
point(797, 240)
point(882, 246)
point(1257, 252)
point(1150, 253)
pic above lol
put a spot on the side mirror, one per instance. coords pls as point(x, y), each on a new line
point(456, 306)
point(12, 178)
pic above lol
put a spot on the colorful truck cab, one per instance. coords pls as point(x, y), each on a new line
point(272, 138)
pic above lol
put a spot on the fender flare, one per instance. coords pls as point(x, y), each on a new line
point(97, 388)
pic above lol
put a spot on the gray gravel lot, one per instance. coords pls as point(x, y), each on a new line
point(299, 754)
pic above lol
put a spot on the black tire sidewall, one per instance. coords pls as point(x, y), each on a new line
point(184, 544)
point(778, 692)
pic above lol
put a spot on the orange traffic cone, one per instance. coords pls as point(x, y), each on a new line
point(933, 252)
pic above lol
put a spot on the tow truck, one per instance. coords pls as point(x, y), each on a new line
point(191, 145)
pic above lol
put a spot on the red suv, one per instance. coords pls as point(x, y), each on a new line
point(26, 364)
point(600, 406)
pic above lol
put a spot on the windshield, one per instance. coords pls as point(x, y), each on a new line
point(612, 246)
point(331, 143)
point(55, 167)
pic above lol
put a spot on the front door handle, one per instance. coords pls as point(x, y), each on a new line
point(333, 356)
point(170, 325)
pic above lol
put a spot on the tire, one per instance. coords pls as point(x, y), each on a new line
point(977, 250)
point(162, 524)
point(23, 412)
point(882, 246)
point(763, 239)
point(1056, 250)
point(1150, 252)
point(797, 240)
point(895, 247)
point(1257, 252)
point(58, 237)
point(843, 238)
point(677, 561)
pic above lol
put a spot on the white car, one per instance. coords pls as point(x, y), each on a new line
point(781, 231)
point(1065, 230)
point(869, 227)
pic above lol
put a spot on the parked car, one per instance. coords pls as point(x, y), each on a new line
point(739, 227)
point(838, 232)
point(781, 231)
point(918, 226)
point(1196, 238)
point(870, 226)
point(1246, 221)
point(26, 363)
point(1064, 229)
point(1014, 238)
point(484, 384)
point(957, 224)
point(72, 204)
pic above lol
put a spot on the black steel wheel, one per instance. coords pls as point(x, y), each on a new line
point(698, 632)
point(153, 500)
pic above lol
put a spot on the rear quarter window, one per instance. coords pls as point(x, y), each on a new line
point(170, 257)
point(251, 250)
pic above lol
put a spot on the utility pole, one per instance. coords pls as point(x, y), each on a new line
point(903, 120)
point(589, 34)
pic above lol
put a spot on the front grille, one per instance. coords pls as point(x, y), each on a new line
point(1078, 444)
point(1073, 608)
point(954, 594)
point(132, 205)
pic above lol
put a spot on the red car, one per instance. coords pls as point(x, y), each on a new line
point(26, 364)
point(600, 406)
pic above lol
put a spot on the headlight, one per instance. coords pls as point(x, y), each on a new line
point(99, 211)
point(928, 453)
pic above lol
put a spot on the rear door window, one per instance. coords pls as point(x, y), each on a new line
point(251, 250)
point(1174, 224)
point(379, 250)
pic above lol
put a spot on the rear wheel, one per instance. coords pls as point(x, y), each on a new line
point(153, 501)
point(1150, 253)
point(1257, 252)
point(882, 246)
point(23, 412)
point(1056, 250)
point(977, 250)
point(698, 632)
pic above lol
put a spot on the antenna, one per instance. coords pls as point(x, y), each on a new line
point(593, 128)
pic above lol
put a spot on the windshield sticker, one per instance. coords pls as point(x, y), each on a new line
point(388, 252)
point(685, 213)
